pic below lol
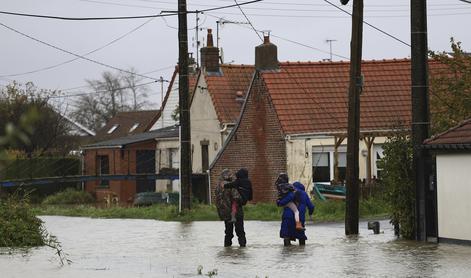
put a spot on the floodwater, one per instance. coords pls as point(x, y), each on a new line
point(147, 248)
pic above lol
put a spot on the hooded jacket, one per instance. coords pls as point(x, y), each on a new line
point(243, 185)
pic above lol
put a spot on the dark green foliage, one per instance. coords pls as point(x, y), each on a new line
point(450, 88)
point(69, 196)
point(19, 227)
point(40, 167)
point(398, 180)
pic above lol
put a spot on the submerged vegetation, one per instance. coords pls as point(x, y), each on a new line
point(325, 211)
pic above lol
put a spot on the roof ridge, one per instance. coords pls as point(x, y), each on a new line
point(308, 63)
point(436, 136)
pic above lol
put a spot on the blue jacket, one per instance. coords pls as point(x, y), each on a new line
point(288, 228)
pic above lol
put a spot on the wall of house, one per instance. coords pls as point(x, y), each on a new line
point(453, 196)
point(165, 118)
point(300, 161)
point(257, 145)
point(121, 162)
point(164, 149)
point(205, 126)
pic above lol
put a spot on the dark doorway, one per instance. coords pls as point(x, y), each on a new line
point(204, 156)
point(145, 164)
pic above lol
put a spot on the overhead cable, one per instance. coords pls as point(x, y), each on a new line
point(122, 17)
point(372, 26)
point(86, 54)
point(74, 54)
point(248, 20)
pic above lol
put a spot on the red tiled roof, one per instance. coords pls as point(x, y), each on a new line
point(223, 89)
point(460, 134)
point(125, 121)
point(312, 97)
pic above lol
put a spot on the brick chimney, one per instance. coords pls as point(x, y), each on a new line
point(210, 55)
point(266, 55)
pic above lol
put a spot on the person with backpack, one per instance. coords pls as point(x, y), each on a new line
point(229, 202)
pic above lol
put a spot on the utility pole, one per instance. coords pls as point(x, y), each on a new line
point(353, 137)
point(185, 145)
point(420, 112)
point(197, 39)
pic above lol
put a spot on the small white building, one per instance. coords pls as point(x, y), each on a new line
point(453, 166)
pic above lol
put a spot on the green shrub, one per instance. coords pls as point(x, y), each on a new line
point(398, 180)
point(19, 227)
point(69, 196)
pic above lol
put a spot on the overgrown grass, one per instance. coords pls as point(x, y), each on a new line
point(69, 196)
point(325, 211)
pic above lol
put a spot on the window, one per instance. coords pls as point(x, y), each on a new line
point(103, 168)
point(323, 163)
point(377, 156)
point(320, 167)
point(173, 158)
point(134, 126)
point(113, 128)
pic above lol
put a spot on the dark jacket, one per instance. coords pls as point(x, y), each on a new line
point(243, 185)
point(224, 198)
point(288, 225)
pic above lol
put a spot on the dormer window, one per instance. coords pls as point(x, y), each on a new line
point(113, 128)
point(133, 127)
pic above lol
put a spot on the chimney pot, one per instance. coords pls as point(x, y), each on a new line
point(210, 55)
point(266, 39)
point(209, 38)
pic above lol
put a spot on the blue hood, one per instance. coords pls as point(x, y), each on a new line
point(299, 186)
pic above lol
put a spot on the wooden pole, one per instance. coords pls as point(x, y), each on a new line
point(185, 145)
point(353, 141)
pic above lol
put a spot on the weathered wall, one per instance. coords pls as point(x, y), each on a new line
point(205, 126)
point(257, 145)
point(453, 196)
point(299, 156)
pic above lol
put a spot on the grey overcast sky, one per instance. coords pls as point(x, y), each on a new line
point(299, 28)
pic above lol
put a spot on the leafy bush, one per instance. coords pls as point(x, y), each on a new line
point(398, 180)
point(19, 227)
point(69, 196)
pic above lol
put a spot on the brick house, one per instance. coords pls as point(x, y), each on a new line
point(452, 151)
point(215, 104)
point(129, 155)
point(294, 120)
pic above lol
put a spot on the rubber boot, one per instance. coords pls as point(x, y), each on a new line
point(286, 242)
point(299, 226)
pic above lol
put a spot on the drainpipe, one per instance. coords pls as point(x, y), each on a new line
point(82, 164)
point(209, 186)
point(288, 139)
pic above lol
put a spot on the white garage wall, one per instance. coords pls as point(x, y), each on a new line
point(454, 196)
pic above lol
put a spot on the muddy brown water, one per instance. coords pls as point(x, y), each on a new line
point(147, 248)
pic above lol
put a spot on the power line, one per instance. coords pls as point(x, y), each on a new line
point(292, 41)
point(122, 17)
point(372, 26)
point(86, 54)
point(102, 91)
point(74, 54)
point(248, 20)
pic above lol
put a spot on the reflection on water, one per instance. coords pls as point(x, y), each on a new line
point(146, 248)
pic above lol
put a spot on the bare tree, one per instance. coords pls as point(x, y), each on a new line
point(138, 92)
point(113, 93)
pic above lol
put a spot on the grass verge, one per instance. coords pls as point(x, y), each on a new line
point(325, 211)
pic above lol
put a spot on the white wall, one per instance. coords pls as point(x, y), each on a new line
point(165, 118)
point(299, 156)
point(162, 161)
point(454, 196)
point(205, 126)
